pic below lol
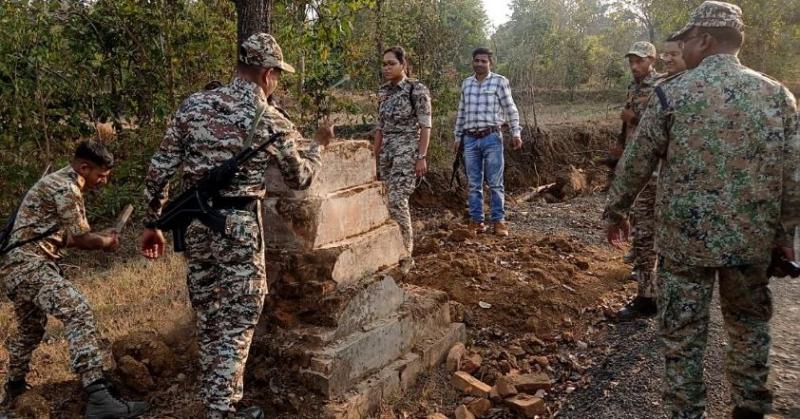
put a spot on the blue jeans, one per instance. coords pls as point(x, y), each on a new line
point(483, 159)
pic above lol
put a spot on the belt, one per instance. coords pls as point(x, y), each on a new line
point(479, 133)
point(242, 203)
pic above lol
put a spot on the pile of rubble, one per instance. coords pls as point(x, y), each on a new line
point(522, 393)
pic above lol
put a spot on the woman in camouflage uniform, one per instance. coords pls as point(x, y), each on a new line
point(401, 138)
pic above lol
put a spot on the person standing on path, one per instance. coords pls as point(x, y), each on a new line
point(52, 216)
point(226, 273)
point(641, 60)
point(401, 139)
point(486, 103)
point(728, 196)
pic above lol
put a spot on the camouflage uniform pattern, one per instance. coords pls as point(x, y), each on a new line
point(643, 240)
point(727, 192)
point(226, 274)
point(638, 97)
point(643, 228)
point(400, 125)
point(35, 283)
point(684, 302)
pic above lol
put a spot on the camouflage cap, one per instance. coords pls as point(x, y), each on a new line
point(642, 49)
point(262, 50)
point(713, 14)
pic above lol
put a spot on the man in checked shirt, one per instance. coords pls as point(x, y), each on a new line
point(485, 104)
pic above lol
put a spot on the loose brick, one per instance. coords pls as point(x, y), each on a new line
point(457, 352)
point(463, 413)
point(479, 407)
point(471, 363)
point(530, 383)
point(527, 405)
point(468, 384)
point(505, 387)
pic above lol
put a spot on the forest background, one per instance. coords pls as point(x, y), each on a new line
point(69, 65)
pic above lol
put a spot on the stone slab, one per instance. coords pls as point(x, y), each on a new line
point(314, 223)
point(344, 263)
point(345, 164)
point(343, 362)
point(434, 349)
point(368, 395)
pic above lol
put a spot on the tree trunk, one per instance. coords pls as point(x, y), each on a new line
point(379, 46)
point(252, 16)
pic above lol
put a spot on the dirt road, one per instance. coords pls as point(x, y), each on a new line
point(627, 383)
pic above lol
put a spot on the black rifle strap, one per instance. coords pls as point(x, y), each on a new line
point(411, 98)
point(666, 107)
point(35, 238)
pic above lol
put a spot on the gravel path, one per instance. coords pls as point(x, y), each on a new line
point(628, 382)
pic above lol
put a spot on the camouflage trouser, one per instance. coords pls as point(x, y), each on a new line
point(398, 172)
point(227, 284)
point(644, 252)
point(684, 302)
point(41, 290)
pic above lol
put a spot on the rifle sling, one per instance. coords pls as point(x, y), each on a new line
point(35, 238)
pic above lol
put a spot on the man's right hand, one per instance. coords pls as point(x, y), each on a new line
point(456, 143)
point(617, 234)
point(628, 115)
point(324, 133)
point(152, 243)
point(110, 241)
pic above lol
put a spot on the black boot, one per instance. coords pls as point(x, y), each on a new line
point(253, 412)
point(745, 413)
point(639, 307)
point(13, 389)
point(104, 405)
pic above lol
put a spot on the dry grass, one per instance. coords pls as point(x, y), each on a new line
point(131, 296)
point(570, 112)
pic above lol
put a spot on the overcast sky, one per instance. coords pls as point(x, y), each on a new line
point(498, 11)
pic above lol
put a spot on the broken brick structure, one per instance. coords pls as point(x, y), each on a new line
point(359, 334)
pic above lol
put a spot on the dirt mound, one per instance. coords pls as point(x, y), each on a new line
point(31, 405)
point(527, 284)
point(142, 358)
point(549, 154)
point(566, 154)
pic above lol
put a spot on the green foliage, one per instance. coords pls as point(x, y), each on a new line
point(70, 64)
point(567, 43)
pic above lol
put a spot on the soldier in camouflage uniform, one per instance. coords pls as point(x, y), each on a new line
point(226, 274)
point(401, 139)
point(52, 216)
point(641, 58)
point(728, 192)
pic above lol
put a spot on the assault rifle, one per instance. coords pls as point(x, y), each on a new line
point(780, 267)
point(195, 202)
point(454, 177)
